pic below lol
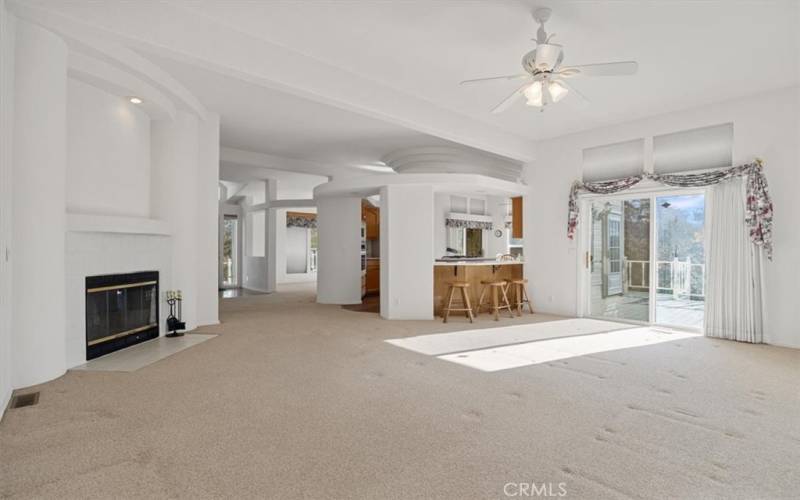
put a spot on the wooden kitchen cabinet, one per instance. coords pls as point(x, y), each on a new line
point(516, 217)
point(371, 216)
point(373, 276)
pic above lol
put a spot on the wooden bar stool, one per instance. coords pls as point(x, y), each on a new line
point(520, 289)
point(497, 290)
point(466, 306)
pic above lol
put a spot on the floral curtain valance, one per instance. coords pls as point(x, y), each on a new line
point(468, 224)
point(301, 221)
point(758, 205)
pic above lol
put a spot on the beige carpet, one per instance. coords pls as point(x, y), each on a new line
point(298, 400)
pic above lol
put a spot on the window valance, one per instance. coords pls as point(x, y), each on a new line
point(308, 221)
point(758, 204)
point(468, 221)
point(468, 224)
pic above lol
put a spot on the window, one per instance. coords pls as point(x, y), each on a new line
point(474, 242)
point(456, 243)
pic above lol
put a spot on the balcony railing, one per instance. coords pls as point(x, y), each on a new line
point(312, 261)
point(679, 278)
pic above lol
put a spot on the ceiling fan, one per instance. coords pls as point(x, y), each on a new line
point(545, 77)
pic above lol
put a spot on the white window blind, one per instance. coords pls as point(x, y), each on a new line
point(458, 204)
point(696, 149)
point(612, 161)
point(477, 206)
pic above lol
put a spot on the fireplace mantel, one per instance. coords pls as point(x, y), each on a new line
point(89, 223)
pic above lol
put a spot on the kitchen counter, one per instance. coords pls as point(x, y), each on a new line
point(473, 272)
point(477, 262)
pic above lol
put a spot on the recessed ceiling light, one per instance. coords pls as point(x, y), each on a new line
point(135, 100)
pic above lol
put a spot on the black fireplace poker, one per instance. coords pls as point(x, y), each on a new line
point(174, 323)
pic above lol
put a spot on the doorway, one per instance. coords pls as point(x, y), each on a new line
point(635, 241)
point(230, 251)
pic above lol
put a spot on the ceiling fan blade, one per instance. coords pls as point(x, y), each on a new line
point(508, 101)
point(580, 97)
point(494, 78)
point(603, 69)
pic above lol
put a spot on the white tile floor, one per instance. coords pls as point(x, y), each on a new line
point(135, 357)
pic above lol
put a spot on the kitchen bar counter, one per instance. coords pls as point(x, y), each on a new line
point(481, 262)
point(473, 272)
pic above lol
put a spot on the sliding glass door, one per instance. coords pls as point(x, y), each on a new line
point(680, 254)
point(633, 242)
point(618, 259)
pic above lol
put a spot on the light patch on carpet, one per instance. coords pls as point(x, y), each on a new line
point(138, 356)
point(470, 340)
point(543, 351)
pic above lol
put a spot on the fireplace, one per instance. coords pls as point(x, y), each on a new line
point(121, 310)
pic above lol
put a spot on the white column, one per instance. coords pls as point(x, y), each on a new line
point(6, 165)
point(174, 198)
point(270, 235)
point(38, 207)
point(208, 220)
point(339, 233)
point(407, 252)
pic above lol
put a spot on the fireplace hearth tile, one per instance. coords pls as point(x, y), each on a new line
point(138, 356)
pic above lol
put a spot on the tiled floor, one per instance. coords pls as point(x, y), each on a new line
point(135, 357)
point(230, 293)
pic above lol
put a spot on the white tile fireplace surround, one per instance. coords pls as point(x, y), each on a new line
point(99, 253)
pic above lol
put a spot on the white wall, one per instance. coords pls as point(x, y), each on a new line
point(254, 274)
point(255, 229)
point(497, 207)
point(6, 166)
point(407, 255)
point(259, 236)
point(184, 180)
point(441, 207)
point(108, 153)
point(765, 126)
point(339, 227)
point(38, 205)
point(296, 250)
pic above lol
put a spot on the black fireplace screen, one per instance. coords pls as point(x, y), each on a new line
point(121, 310)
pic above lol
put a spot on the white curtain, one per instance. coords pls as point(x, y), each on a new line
point(734, 293)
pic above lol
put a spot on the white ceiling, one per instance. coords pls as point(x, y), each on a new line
point(350, 79)
point(290, 185)
point(690, 52)
point(260, 119)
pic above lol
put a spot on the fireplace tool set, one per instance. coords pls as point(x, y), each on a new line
point(174, 323)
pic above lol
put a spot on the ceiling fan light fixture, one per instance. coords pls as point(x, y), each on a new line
point(557, 91)
point(535, 97)
point(534, 94)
